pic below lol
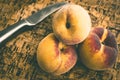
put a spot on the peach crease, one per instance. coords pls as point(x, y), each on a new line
point(110, 58)
point(110, 40)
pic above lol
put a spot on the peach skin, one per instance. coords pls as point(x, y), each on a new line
point(55, 57)
point(71, 24)
point(99, 50)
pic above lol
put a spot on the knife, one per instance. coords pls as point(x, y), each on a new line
point(30, 21)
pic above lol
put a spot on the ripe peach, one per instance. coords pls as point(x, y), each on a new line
point(55, 57)
point(71, 24)
point(99, 50)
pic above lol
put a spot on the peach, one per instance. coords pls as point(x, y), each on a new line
point(71, 24)
point(99, 50)
point(55, 57)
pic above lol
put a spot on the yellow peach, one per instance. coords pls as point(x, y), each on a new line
point(71, 24)
point(99, 50)
point(55, 57)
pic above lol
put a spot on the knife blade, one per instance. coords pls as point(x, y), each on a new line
point(30, 21)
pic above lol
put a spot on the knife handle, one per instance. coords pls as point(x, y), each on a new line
point(9, 31)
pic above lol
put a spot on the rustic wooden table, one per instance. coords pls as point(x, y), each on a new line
point(18, 56)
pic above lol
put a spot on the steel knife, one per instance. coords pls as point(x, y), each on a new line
point(30, 21)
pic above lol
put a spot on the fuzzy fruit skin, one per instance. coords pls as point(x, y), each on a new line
point(71, 24)
point(99, 50)
point(55, 57)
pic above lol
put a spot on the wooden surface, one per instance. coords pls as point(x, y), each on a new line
point(18, 56)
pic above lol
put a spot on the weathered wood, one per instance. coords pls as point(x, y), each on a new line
point(18, 56)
